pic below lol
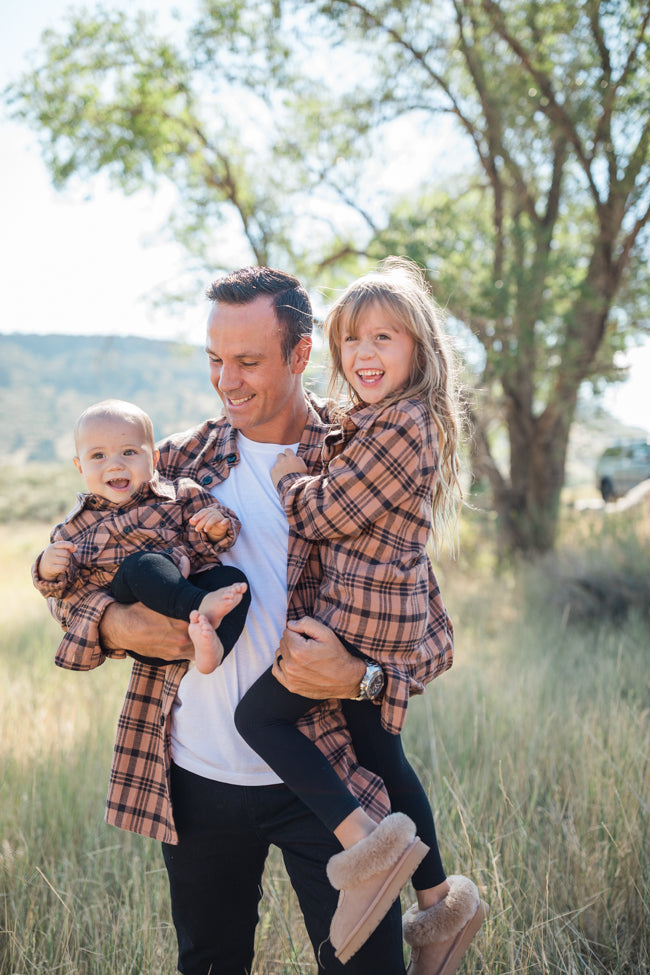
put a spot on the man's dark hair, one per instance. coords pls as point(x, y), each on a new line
point(290, 300)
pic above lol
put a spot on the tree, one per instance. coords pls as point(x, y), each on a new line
point(532, 253)
point(536, 249)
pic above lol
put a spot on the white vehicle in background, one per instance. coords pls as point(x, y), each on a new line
point(621, 467)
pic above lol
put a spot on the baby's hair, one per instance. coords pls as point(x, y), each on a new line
point(399, 286)
point(115, 409)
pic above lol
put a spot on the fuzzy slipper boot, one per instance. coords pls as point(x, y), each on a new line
point(440, 935)
point(370, 876)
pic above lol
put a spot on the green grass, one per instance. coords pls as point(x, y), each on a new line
point(535, 750)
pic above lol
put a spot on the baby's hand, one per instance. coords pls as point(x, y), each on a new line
point(55, 560)
point(287, 463)
point(211, 522)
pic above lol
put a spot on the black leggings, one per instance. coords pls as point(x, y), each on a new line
point(266, 718)
point(154, 579)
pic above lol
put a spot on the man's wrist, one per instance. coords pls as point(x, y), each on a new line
point(372, 683)
point(107, 627)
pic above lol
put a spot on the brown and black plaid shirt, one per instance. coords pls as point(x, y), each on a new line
point(138, 797)
point(155, 518)
point(370, 512)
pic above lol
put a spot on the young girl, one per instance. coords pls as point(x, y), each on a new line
point(389, 469)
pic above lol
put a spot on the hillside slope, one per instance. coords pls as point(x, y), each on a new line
point(47, 380)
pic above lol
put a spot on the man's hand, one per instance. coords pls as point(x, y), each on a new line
point(135, 627)
point(211, 522)
point(287, 463)
point(55, 560)
point(312, 661)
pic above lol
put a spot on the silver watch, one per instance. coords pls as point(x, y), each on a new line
point(372, 682)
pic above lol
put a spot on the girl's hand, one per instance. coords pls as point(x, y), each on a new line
point(55, 560)
point(287, 463)
point(211, 522)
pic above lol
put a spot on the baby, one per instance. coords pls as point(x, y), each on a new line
point(144, 538)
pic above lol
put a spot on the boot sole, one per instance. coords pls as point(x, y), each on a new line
point(386, 895)
point(464, 939)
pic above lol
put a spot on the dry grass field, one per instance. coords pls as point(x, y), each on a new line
point(535, 749)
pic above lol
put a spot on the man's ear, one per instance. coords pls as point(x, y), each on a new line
point(77, 464)
point(156, 457)
point(300, 355)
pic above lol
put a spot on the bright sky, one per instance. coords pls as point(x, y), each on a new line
point(89, 263)
point(97, 259)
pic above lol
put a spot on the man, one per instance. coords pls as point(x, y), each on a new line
point(181, 773)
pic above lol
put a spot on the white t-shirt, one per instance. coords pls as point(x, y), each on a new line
point(204, 739)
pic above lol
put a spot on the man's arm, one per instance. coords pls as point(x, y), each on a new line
point(135, 627)
point(312, 661)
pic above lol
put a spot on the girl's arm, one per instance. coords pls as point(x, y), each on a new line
point(369, 478)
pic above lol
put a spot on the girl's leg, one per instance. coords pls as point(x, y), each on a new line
point(382, 753)
point(377, 859)
point(266, 719)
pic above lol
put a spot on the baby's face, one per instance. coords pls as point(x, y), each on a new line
point(115, 456)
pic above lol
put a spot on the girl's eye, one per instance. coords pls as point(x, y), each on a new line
point(97, 457)
point(129, 452)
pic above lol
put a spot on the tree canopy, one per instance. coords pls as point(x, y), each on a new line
point(280, 119)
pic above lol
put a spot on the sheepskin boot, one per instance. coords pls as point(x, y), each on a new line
point(440, 935)
point(370, 876)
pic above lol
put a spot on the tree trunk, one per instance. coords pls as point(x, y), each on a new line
point(527, 503)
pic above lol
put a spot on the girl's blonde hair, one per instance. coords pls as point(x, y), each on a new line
point(399, 286)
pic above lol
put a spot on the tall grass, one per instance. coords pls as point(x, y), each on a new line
point(535, 750)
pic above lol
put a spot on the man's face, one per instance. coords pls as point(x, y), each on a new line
point(261, 392)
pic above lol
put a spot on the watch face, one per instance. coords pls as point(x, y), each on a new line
point(375, 684)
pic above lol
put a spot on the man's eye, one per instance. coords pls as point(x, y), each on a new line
point(248, 365)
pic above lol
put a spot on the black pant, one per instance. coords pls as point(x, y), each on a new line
point(154, 579)
point(266, 718)
point(215, 876)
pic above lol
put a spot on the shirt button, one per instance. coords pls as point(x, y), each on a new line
point(206, 479)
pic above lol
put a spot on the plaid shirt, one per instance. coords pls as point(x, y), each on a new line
point(370, 511)
point(138, 797)
point(155, 518)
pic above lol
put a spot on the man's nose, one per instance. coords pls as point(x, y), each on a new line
point(229, 378)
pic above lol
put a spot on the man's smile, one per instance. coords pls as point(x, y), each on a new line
point(238, 402)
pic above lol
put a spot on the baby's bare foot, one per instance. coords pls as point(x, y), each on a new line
point(215, 605)
point(208, 648)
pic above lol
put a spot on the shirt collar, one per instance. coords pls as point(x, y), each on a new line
point(157, 487)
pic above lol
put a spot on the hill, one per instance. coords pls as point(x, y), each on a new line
point(47, 380)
